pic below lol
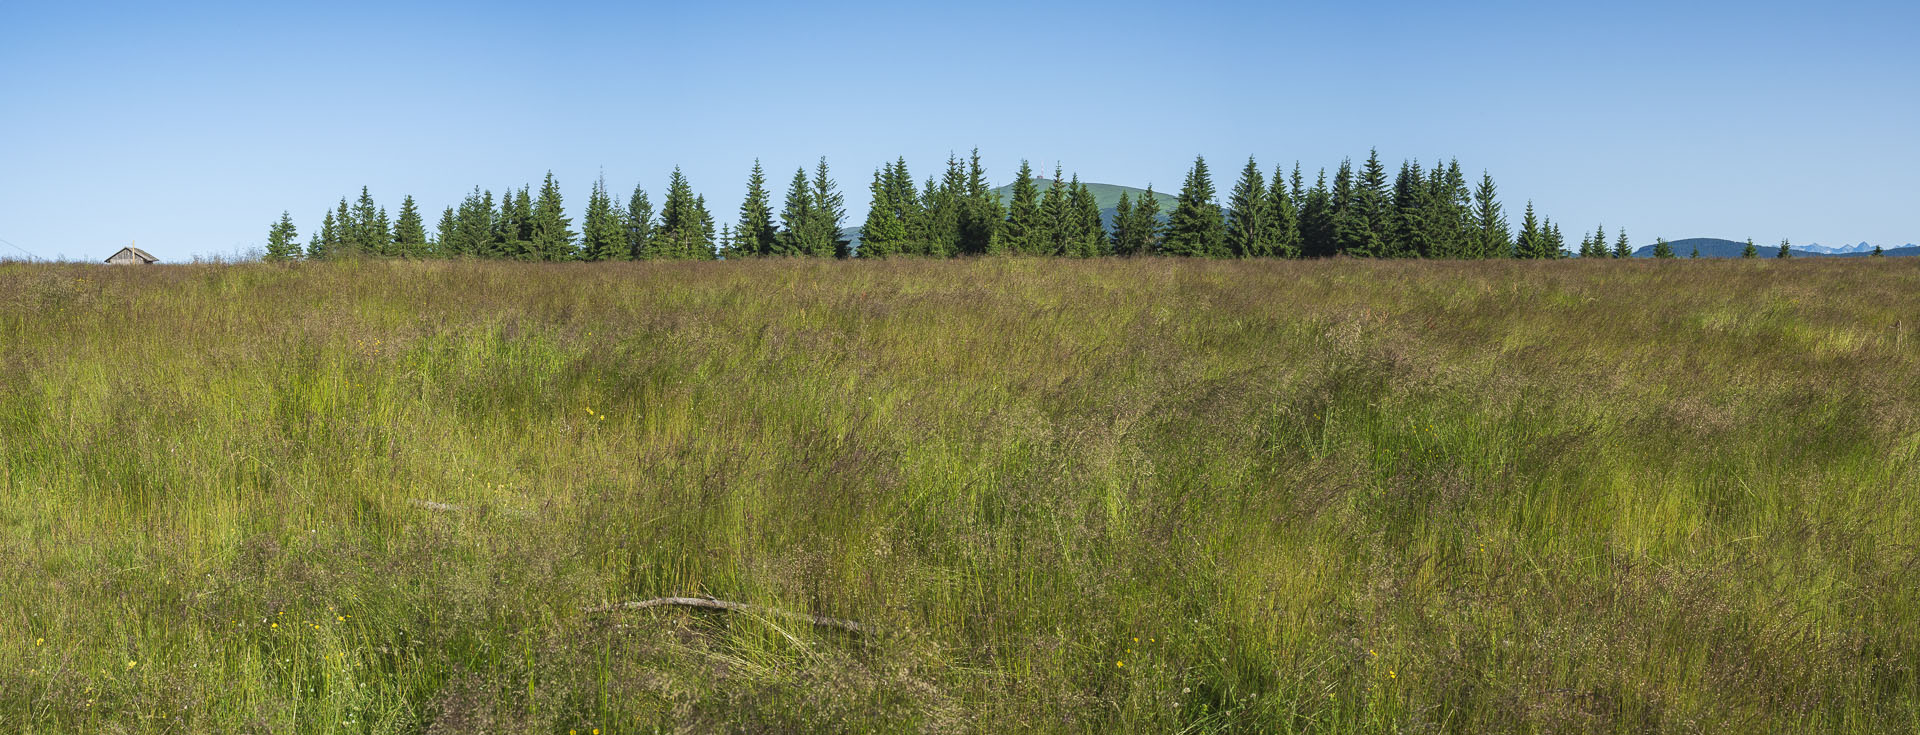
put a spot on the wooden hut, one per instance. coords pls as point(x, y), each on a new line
point(131, 255)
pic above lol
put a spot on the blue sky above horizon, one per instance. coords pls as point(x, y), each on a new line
point(188, 128)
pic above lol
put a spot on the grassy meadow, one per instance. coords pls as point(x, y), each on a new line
point(1079, 497)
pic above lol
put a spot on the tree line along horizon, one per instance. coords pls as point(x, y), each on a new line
point(1422, 214)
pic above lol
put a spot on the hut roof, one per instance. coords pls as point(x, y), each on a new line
point(142, 255)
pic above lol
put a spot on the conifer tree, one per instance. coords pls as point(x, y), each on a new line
point(1088, 237)
point(1025, 231)
point(1786, 250)
point(329, 241)
point(885, 231)
point(552, 233)
point(755, 233)
point(1696, 251)
point(1147, 226)
point(704, 243)
point(381, 234)
point(980, 213)
point(409, 232)
point(1138, 231)
point(1600, 241)
point(830, 207)
point(472, 227)
point(283, 242)
point(1621, 247)
point(369, 231)
point(1372, 211)
point(1352, 231)
point(639, 225)
point(907, 206)
point(1878, 252)
point(1250, 226)
point(1661, 249)
point(685, 230)
point(1285, 216)
point(945, 205)
point(345, 231)
point(1410, 214)
point(1317, 221)
point(1196, 227)
point(1491, 237)
point(1750, 251)
point(1532, 241)
point(1055, 210)
point(1449, 221)
point(796, 217)
point(444, 234)
point(505, 233)
point(516, 226)
point(1586, 246)
point(602, 235)
point(729, 249)
point(1122, 226)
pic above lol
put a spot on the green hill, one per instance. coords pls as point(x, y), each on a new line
point(1107, 196)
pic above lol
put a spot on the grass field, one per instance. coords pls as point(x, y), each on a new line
point(1085, 497)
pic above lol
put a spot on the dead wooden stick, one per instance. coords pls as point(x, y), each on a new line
point(713, 604)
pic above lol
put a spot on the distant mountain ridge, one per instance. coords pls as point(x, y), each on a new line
point(1713, 247)
point(1862, 247)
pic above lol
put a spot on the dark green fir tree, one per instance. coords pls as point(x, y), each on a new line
point(283, 242)
point(685, 231)
point(602, 235)
point(1661, 248)
point(639, 225)
point(885, 232)
point(1491, 238)
point(1317, 221)
point(1250, 226)
point(797, 218)
point(409, 231)
point(1285, 211)
point(1196, 228)
point(552, 232)
point(1025, 232)
point(754, 234)
point(831, 209)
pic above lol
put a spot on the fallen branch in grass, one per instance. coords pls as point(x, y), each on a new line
point(723, 605)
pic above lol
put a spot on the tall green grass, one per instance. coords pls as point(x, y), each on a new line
point(1110, 496)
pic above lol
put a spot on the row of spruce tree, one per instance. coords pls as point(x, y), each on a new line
point(1420, 213)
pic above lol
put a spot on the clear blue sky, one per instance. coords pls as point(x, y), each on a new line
point(189, 127)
